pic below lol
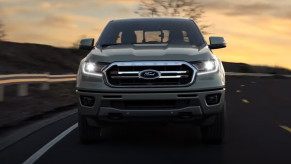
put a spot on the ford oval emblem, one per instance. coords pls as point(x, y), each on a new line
point(149, 74)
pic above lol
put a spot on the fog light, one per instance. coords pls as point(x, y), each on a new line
point(87, 101)
point(212, 99)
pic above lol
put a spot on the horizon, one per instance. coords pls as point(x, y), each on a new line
point(280, 67)
point(257, 32)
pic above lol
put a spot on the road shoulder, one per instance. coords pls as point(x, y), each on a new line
point(13, 135)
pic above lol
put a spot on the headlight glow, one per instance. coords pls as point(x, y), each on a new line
point(209, 65)
point(93, 68)
point(90, 67)
point(205, 67)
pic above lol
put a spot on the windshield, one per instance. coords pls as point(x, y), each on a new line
point(145, 31)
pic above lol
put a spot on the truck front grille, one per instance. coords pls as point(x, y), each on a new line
point(129, 74)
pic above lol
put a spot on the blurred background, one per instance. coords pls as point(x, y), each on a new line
point(257, 31)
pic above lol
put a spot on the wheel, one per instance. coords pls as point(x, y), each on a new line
point(88, 134)
point(214, 134)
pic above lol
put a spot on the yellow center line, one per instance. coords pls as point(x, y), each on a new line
point(245, 101)
point(23, 75)
point(286, 128)
point(22, 80)
point(62, 75)
point(60, 80)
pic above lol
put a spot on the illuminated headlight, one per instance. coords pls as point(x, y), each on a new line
point(93, 68)
point(207, 66)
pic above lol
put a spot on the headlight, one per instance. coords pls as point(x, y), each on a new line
point(93, 68)
point(204, 67)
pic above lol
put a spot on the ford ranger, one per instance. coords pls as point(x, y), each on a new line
point(151, 70)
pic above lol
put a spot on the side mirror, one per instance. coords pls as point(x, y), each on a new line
point(217, 42)
point(86, 44)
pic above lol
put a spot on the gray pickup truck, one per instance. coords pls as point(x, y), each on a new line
point(153, 70)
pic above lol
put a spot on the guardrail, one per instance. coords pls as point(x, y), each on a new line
point(254, 74)
point(23, 80)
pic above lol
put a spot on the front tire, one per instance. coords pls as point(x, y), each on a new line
point(87, 134)
point(214, 134)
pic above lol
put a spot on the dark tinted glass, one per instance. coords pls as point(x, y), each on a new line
point(172, 31)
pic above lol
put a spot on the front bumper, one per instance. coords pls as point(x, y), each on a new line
point(189, 103)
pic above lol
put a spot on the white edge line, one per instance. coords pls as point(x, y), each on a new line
point(6, 142)
point(46, 147)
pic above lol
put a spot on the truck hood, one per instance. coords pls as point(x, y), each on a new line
point(149, 52)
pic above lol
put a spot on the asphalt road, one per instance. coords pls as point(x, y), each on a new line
point(253, 135)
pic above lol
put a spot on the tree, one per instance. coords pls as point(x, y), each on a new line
point(173, 8)
point(2, 32)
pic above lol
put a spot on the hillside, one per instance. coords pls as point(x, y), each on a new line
point(36, 58)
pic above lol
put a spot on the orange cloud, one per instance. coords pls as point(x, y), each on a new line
point(47, 5)
point(280, 9)
point(256, 40)
point(99, 27)
point(13, 10)
point(68, 21)
point(124, 11)
point(81, 18)
point(9, 0)
point(62, 5)
point(124, 1)
point(57, 21)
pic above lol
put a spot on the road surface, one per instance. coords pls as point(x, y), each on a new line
point(258, 132)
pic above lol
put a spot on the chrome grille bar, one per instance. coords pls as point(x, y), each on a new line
point(173, 77)
point(137, 72)
point(169, 72)
point(137, 77)
point(123, 72)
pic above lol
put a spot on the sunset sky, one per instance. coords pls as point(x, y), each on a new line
point(257, 31)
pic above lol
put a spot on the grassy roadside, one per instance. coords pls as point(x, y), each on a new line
point(246, 68)
point(15, 110)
